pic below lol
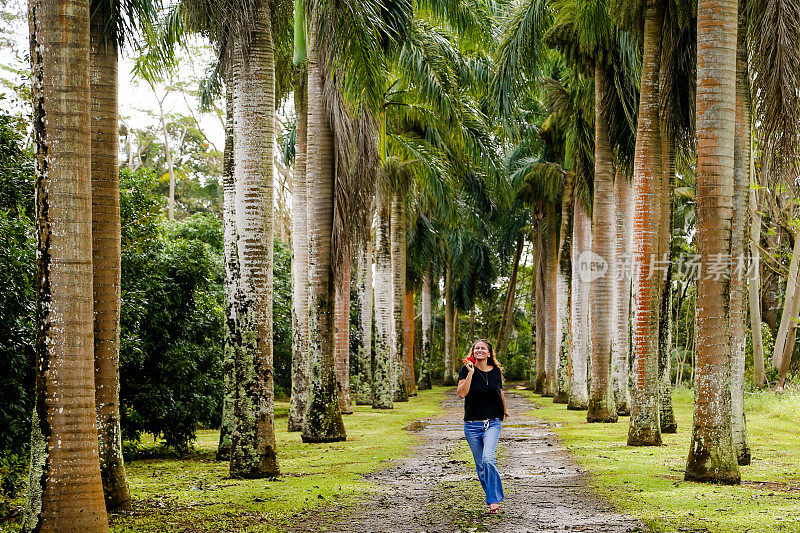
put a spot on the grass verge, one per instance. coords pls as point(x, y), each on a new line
point(648, 482)
point(194, 493)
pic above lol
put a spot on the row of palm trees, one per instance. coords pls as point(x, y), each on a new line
point(402, 111)
point(641, 129)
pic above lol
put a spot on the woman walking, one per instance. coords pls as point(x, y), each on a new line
point(484, 409)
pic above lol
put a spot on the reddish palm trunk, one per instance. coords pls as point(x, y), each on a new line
point(342, 339)
point(602, 407)
point(65, 491)
point(408, 343)
point(666, 413)
point(645, 428)
point(106, 254)
point(711, 454)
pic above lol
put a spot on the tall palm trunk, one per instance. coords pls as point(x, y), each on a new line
point(541, 311)
point(784, 339)
point(253, 452)
point(507, 320)
point(563, 293)
point(579, 307)
point(551, 301)
point(711, 454)
point(741, 196)
point(322, 421)
point(231, 260)
point(602, 407)
point(620, 356)
point(364, 326)
point(383, 392)
point(106, 255)
point(449, 319)
point(342, 339)
point(65, 490)
point(408, 342)
point(299, 399)
point(398, 259)
point(666, 413)
point(754, 283)
point(454, 346)
point(425, 357)
point(645, 426)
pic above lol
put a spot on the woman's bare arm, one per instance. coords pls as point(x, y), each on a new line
point(464, 384)
point(505, 409)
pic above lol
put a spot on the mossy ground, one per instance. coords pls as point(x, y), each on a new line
point(648, 482)
point(195, 493)
point(174, 494)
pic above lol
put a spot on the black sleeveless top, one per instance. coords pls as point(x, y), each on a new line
point(483, 401)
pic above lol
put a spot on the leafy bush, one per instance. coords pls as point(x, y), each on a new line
point(172, 332)
point(13, 473)
point(17, 294)
point(282, 319)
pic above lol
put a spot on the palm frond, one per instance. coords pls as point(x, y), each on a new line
point(520, 56)
point(774, 36)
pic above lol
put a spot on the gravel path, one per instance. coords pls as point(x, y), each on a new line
point(434, 491)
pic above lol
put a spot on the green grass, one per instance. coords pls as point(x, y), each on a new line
point(172, 494)
point(648, 482)
point(196, 494)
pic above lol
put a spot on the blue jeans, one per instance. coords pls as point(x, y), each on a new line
point(482, 438)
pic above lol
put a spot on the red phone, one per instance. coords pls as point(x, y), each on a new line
point(468, 358)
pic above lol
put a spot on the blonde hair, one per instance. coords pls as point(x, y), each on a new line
point(492, 359)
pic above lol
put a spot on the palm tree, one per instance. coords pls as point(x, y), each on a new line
point(299, 257)
point(602, 407)
point(383, 396)
point(342, 338)
point(110, 23)
point(580, 317)
point(322, 421)
point(253, 452)
point(64, 444)
point(645, 427)
point(231, 261)
point(425, 357)
point(741, 197)
point(364, 325)
point(620, 356)
point(711, 454)
point(398, 269)
point(300, 347)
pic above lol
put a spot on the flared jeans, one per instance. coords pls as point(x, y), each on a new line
point(482, 437)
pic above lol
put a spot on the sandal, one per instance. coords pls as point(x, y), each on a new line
point(493, 510)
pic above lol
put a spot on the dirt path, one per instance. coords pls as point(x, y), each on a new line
point(434, 492)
